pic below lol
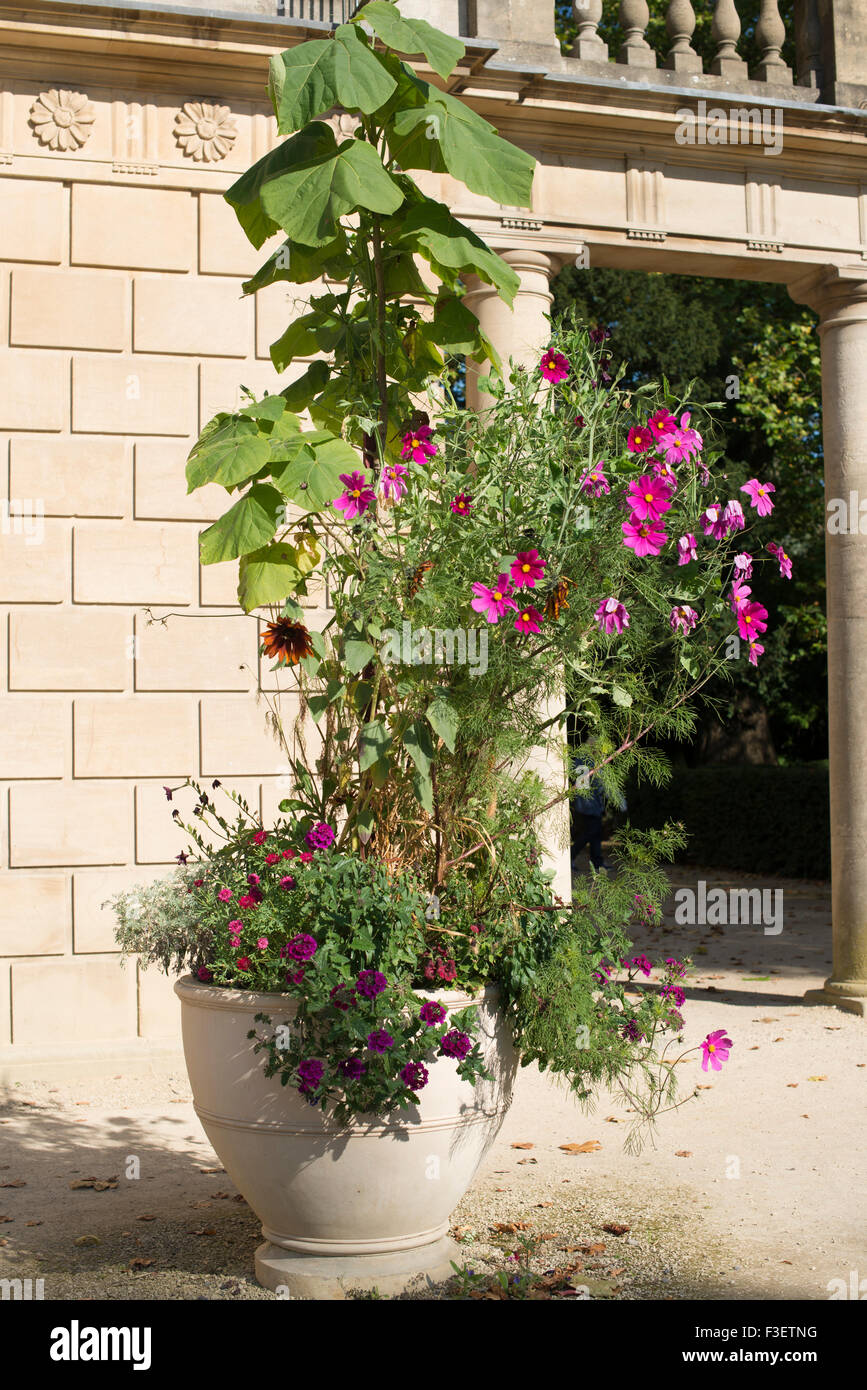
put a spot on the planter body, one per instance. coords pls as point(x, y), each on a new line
point(341, 1209)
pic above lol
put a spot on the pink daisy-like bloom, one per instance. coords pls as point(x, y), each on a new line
point(357, 497)
point(752, 619)
point(462, 505)
point(287, 882)
point(740, 595)
point(527, 568)
point(662, 422)
point(780, 555)
point(639, 439)
point(713, 522)
point(271, 859)
point(686, 549)
point(262, 943)
point(225, 895)
point(595, 483)
point(554, 366)
point(611, 616)
point(394, 481)
point(681, 442)
point(648, 498)
point(493, 602)
point(683, 618)
point(759, 495)
point(416, 445)
point(260, 837)
point(665, 473)
point(715, 1049)
point(756, 650)
point(644, 537)
point(236, 925)
point(528, 620)
point(306, 857)
point(733, 515)
point(744, 566)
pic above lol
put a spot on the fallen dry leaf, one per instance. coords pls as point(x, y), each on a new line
point(146, 1216)
point(779, 1039)
point(527, 1160)
point(792, 1085)
point(206, 1231)
point(7, 1218)
point(32, 1223)
point(754, 1048)
point(212, 1170)
point(549, 1235)
point(785, 1262)
point(805, 1117)
point(614, 1120)
point(510, 1227)
point(97, 1184)
point(589, 1147)
point(817, 1078)
point(215, 1195)
point(766, 1020)
point(139, 1263)
point(14, 1182)
point(683, 1153)
point(704, 1086)
point(523, 1144)
point(88, 1240)
point(614, 1228)
point(544, 1204)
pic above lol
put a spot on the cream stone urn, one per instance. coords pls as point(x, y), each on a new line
point(342, 1209)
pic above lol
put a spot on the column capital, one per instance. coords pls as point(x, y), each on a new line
point(838, 293)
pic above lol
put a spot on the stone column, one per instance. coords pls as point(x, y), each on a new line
point(839, 295)
point(522, 333)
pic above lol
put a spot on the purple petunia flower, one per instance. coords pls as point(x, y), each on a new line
point(311, 1071)
point(320, 837)
point(431, 1012)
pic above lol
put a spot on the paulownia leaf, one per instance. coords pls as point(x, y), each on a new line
point(268, 575)
point(445, 131)
point(307, 200)
point(300, 393)
point(357, 654)
point(412, 36)
point(228, 454)
point(300, 264)
point(316, 141)
point(245, 527)
point(307, 80)
point(441, 239)
point(312, 477)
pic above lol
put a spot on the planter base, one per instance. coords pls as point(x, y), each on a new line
point(294, 1275)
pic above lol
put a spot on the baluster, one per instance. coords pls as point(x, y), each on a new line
point(726, 30)
point(635, 50)
point(808, 44)
point(587, 14)
point(680, 24)
point(770, 37)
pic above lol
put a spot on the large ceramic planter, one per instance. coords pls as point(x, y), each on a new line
point(341, 1209)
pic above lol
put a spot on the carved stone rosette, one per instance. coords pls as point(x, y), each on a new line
point(205, 132)
point(62, 120)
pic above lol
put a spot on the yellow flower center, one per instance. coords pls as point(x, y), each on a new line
point(648, 496)
point(761, 492)
point(497, 595)
point(711, 1047)
point(525, 569)
point(747, 618)
point(525, 617)
point(356, 493)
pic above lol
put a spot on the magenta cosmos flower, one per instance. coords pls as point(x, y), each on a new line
point(715, 1049)
point(733, 515)
point(416, 445)
point(639, 439)
point(611, 616)
point(462, 505)
point(662, 422)
point(713, 522)
point(686, 549)
point(665, 473)
point(759, 495)
point(595, 482)
point(740, 595)
point(683, 618)
point(752, 619)
point(756, 650)
point(680, 443)
point(493, 602)
point(644, 537)
point(528, 620)
point(554, 366)
point(648, 498)
point(527, 568)
point(784, 561)
point(744, 565)
point(357, 497)
point(394, 481)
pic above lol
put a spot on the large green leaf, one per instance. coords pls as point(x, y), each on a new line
point(443, 720)
point(312, 476)
point(373, 742)
point(307, 200)
point(245, 527)
point(300, 393)
point(453, 327)
point(300, 264)
point(228, 454)
point(268, 575)
point(316, 141)
point(441, 239)
point(357, 654)
point(418, 743)
point(412, 35)
point(444, 131)
point(311, 333)
point(307, 80)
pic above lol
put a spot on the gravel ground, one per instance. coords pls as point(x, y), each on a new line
point(753, 1190)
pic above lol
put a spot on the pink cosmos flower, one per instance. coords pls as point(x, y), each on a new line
point(611, 616)
point(686, 549)
point(648, 498)
point(665, 474)
point(416, 445)
point(462, 505)
point(683, 617)
point(681, 442)
point(528, 620)
point(756, 650)
point(262, 943)
point(752, 618)
point(759, 495)
point(644, 537)
point(713, 522)
point(715, 1049)
point(357, 497)
point(595, 483)
point(733, 515)
point(784, 561)
point(527, 568)
point(740, 595)
point(554, 366)
point(639, 439)
point(393, 481)
point(744, 566)
point(661, 422)
point(493, 602)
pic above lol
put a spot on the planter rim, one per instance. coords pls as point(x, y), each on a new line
point(194, 992)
